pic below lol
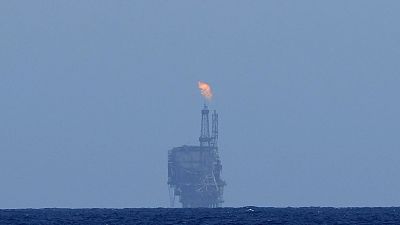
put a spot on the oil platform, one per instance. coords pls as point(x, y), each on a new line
point(194, 172)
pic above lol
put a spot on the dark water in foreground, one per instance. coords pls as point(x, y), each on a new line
point(246, 215)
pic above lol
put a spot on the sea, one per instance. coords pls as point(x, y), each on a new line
point(245, 215)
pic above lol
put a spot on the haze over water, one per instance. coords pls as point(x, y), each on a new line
point(94, 93)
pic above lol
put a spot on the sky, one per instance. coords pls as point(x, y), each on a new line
point(94, 93)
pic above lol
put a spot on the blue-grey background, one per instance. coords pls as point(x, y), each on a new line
point(93, 94)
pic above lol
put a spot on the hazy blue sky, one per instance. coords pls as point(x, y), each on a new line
point(94, 93)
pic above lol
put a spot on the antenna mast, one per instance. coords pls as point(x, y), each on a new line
point(214, 129)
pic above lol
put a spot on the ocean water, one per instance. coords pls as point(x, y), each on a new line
point(245, 215)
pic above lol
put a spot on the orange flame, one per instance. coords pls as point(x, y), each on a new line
point(205, 90)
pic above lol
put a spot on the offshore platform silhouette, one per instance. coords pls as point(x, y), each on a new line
point(194, 172)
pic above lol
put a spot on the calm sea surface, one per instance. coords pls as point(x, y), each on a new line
point(246, 215)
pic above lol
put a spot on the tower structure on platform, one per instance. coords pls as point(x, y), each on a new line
point(204, 138)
